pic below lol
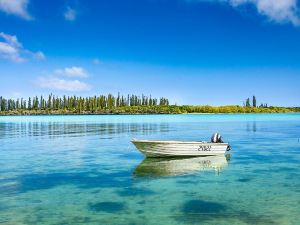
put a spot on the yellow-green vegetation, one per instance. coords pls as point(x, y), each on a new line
point(131, 104)
point(237, 109)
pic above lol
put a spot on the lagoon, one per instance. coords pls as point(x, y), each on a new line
point(84, 170)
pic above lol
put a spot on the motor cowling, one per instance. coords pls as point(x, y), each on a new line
point(216, 138)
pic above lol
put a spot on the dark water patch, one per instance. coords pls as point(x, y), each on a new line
point(202, 207)
point(198, 211)
point(33, 182)
point(139, 211)
point(187, 182)
point(109, 207)
point(135, 192)
point(243, 180)
point(143, 202)
point(37, 201)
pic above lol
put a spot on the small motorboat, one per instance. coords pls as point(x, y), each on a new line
point(154, 148)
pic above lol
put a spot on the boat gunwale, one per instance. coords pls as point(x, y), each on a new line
point(176, 142)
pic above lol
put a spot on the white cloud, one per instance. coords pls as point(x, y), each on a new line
point(70, 14)
point(279, 11)
point(276, 10)
point(15, 7)
point(9, 52)
point(13, 50)
point(72, 72)
point(54, 83)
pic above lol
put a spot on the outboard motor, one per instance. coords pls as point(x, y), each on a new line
point(216, 138)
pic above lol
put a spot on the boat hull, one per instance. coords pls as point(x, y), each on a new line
point(179, 148)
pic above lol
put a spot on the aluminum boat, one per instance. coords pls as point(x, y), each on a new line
point(155, 148)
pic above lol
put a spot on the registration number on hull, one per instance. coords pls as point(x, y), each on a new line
point(204, 148)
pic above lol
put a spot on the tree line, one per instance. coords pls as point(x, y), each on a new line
point(120, 104)
point(80, 104)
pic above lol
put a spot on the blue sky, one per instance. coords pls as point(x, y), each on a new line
point(192, 51)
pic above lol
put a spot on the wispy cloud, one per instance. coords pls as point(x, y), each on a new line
point(73, 71)
point(39, 55)
point(97, 61)
point(13, 50)
point(16, 7)
point(279, 11)
point(54, 83)
point(70, 14)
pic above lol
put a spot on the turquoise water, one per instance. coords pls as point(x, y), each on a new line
point(84, 170)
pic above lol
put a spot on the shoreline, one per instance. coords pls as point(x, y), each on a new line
point(140, 114)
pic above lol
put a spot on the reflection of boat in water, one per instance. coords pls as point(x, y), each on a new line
point(157, 167)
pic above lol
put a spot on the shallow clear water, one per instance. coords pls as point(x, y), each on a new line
point(84, 170)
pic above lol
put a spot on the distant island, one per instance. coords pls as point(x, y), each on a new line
point(130, 104)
